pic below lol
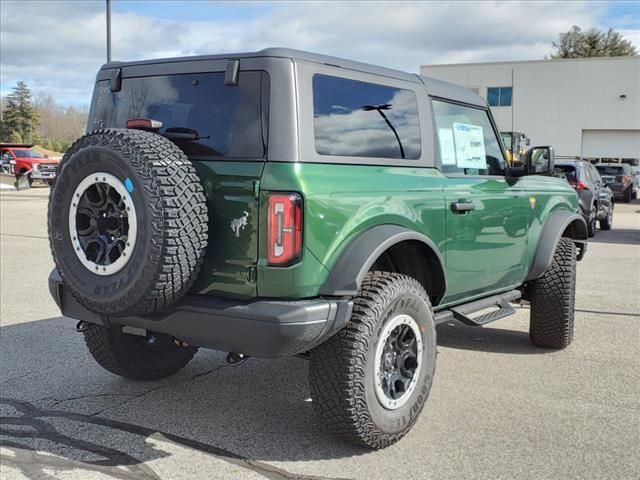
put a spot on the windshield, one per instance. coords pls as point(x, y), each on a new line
point(227, 121)
point(26, 153)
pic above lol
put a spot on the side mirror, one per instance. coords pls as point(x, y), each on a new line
point(539, 160)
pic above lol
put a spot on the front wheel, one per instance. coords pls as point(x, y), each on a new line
point(591, 223)
point(607, 222)
point(369, 382)
point(136, 357)
point(552, 299)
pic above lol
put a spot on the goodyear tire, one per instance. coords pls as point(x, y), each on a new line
point(127, 222)
point(552, 299)
point(136, 357)
point(370, 381)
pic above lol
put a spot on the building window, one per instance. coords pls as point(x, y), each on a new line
point(499, 96)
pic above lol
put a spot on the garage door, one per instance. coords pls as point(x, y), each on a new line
point(611, 143)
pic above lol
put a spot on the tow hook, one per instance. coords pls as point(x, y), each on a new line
point(82, 326)
point(234, 359)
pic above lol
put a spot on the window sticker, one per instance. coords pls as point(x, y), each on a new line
point(469, 142)
point(447, 146)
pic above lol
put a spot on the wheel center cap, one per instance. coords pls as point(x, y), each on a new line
point(389, 360)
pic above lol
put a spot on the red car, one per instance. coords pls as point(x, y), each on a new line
point(23, 160)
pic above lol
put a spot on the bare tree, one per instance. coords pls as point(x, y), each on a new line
point(592, 43)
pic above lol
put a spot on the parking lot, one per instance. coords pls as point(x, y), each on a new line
point(499, 407)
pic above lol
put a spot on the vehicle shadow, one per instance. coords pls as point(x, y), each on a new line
point(59, 410)
point(486, 339)
point(620, 236)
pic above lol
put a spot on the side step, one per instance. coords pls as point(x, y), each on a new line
point(463, 312)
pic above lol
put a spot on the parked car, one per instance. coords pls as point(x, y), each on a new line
point(284, 203)
point(27, 161)
point(620, 179)
point(596, 198)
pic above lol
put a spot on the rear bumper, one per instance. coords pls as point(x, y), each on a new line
point(618, 189)
point(261, 328)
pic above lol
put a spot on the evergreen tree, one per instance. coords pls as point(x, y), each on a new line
point(15, 137)
point(20, 118)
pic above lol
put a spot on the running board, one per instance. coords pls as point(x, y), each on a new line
point(463, 312)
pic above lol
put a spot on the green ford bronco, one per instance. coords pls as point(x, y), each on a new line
point(285, 203)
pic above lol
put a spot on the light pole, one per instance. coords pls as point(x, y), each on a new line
point(379, 109)
point(108, 31)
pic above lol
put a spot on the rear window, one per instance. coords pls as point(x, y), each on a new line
point(568, 172)
point(230, 122)
point(361, 119)
point(610, 170)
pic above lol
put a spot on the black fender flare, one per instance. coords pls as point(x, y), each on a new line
point(554, 228)
point(357, 258)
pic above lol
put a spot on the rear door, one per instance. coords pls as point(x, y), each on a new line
point(225, 136)
point(486, 218)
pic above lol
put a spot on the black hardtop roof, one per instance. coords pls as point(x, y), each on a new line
point(442, 89)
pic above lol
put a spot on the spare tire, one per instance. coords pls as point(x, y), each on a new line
point(127, 222)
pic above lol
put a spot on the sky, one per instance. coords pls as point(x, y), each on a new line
point(58, 46)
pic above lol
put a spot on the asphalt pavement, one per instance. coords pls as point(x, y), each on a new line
point(499, 407)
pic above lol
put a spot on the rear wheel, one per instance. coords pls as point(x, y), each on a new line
point(138, 358)
point(552, 299)
point(370, 381)
point(628, 194)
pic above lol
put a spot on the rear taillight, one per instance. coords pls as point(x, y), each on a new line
point(284, 238)
point(624, 179)
point(579, 185)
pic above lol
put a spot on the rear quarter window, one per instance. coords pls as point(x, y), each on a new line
point(230, 122)
point(361, 119)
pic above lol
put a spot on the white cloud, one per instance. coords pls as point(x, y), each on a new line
point(63, 46)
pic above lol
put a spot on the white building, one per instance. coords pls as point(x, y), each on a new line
point(583, 107)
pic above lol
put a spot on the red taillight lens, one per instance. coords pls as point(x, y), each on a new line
point(579, 185)
point(284, 238)
point(144, 123)
point(624, 179)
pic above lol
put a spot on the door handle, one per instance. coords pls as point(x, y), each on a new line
point(462, 207)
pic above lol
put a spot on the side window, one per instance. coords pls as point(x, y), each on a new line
point(467, 141)
point(360, 119)
point(595, 176)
